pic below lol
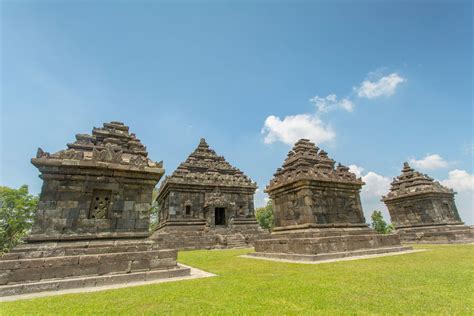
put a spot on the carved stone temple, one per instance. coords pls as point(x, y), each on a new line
point(423, 211)
point(91, 226)
point(206, 203)
point(317, 211)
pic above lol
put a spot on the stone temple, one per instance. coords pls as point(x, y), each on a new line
point(317, 211)
point(206, 203)
point(423, 211)
point(92, 223)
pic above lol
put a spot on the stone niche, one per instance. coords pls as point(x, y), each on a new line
point(317, 211)
point(423, 211)
point(92, 223)
point(206, 203)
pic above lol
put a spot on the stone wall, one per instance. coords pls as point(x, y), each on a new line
point(424, 209)
point(192, 204)
point(92, 201)
point(317, 203)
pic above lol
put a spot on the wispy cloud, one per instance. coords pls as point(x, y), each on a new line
point(430, 162)
point(291, 128)
point(384, 86)
point(331, 102)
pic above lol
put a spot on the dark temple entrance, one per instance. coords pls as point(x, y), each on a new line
point(219, 216)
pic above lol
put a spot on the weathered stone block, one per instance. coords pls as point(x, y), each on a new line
point(140, 265)
point(114, 267)
point(27, 274)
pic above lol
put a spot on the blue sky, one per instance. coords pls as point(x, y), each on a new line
point(373, 83)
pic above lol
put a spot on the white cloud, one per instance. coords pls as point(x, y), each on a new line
point(331, 102)
point(459, 180)
point(294, 127)
point(375, 184)
point(385, 86)
point(357, 170)
point(430, 162)
point(469, 149)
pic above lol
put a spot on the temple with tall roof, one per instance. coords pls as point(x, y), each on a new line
point(317, 211)
point(206, 203)
point(91, 226)
point(423, 211)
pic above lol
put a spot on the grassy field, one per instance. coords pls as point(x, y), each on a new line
point(438, 281)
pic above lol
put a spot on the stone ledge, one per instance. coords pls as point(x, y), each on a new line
point(91, 282)
point(356, 254)
point(452, 234)
point(73, 237)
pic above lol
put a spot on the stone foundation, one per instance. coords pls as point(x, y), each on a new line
point(437, 234)
point(311, 244)
point(49, 266)
point(192, 235)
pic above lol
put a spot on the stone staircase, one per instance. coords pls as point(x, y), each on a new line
point(233, 240)
point(236, 241)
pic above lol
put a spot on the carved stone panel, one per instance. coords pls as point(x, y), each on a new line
point(100, 204)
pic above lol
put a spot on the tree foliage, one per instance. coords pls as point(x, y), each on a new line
point(17, 208)
point(154, 218)
point(379, 224)
point(264, 216)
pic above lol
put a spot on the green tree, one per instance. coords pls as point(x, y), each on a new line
point(154, 219)
point(379, 224)
point(264, 216)
point(17, 208)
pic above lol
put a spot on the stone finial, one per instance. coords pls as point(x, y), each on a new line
point(202, 142)
point(41, 154)
point(406, 167)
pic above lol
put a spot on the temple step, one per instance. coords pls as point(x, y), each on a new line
point(92, 281)
point(330, 256)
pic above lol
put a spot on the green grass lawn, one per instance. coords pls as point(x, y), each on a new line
point(438, 281)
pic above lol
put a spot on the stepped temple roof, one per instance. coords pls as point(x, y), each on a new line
point(110, 146)
point(307, 162)
point(412, 182)
point(205, 167)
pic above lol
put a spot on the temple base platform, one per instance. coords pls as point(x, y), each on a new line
point(196, 234)
point(310, 242)
point(51, 266)
point(436, 234)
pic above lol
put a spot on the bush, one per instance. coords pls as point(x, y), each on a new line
point(264, 216)
point(379, 224)
point(17, 208)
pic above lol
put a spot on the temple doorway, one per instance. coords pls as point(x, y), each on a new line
point(219, 216)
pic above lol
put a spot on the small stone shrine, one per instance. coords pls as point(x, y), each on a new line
point(423, 211)
point(206, 203)
point(317, 211)
point(92, 223)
